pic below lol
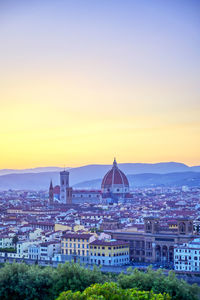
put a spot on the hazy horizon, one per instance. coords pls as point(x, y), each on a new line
point(83, 165)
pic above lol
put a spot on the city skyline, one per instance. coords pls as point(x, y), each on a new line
point(82, 82)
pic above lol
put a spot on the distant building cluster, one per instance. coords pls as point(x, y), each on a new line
point(114, 188)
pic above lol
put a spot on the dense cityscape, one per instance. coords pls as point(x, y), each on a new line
point(113, 227)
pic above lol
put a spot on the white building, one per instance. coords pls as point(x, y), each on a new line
point(187, 257)
point(43, 251)
point(6, 241)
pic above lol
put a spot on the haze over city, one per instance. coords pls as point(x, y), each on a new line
point(84, 81)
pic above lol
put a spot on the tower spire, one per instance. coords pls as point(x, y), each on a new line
point(51, 193)
point(114, 163)
point(51, 185)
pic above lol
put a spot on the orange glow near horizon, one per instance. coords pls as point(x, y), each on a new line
point(113, 86)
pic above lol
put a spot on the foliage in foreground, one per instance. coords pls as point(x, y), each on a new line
point(20, 281)
point(110, 291)
point(159, 283)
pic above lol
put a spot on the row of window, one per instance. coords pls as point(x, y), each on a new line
point(186, 257)
point(103, 254)
point(102, 247)
point(84, 196)
point(121, 260)
point(74, 245)
point(187, 251)
point(79, 240)
point(79, 252)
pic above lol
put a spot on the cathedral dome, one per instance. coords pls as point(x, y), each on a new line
point(115, 181)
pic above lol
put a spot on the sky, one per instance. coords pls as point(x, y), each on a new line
point(84, 81)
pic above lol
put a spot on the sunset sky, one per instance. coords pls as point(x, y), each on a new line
point(84, 81)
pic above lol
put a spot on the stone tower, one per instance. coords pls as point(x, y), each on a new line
point(51, 194)
point(185, 226)
point(151, 224)
point(64, 185)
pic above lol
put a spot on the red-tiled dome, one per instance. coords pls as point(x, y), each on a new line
point(114, 177)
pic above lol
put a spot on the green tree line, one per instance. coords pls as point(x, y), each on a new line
point(20, 281)
point(111, 291)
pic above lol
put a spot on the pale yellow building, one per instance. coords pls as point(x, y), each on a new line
point(109, 252)
point(76, 245)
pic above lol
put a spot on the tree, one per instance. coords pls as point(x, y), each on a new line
point(72, 276)
point(15, 240)
point(159, 283)
point(110, 291)
point(20, 281)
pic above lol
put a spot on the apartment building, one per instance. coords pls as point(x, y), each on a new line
point(187, 256)
point(76, 246)
point(109, 252)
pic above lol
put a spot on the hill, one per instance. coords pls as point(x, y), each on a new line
point(40, 181)
point(151, 180)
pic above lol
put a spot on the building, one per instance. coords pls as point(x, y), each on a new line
point(154, 243)
point(114, 188)
point(64, 185)
point(115, 185)
point(109, 253)
point(6, 241)
point(43, 251)
point(66, 195)
point(51, 194)
point(88, 196)
point(75, 246)
point(187, 256)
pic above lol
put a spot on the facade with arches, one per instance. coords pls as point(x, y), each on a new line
point(154, 245)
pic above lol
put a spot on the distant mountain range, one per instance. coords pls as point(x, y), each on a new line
point(90, 176)
point(151, 180)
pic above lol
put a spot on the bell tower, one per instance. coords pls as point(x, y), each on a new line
point(185, 226)
point(151, 224)
point(64, 185)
